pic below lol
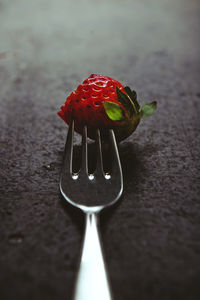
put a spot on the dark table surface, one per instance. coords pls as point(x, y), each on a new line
point(152, 238)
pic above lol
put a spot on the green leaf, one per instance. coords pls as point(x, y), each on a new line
point(125, 101)
point(135, 100)
point(114, 111)
point(133, 95)
point(148, 109)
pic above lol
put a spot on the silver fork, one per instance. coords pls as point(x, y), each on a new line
point(91, 193)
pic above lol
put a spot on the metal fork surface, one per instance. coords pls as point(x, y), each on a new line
point(91, 193)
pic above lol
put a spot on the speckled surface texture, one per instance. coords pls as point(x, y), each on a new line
point(152, 237)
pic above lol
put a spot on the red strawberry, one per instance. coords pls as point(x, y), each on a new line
point(102, 102)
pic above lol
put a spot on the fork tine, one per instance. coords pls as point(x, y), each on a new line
point(116, 164)
point(68, 152)
point(99, 159)
point(84, 150)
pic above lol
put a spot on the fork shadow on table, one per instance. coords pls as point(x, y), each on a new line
point(132, 161)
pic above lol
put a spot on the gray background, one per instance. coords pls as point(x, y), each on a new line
point(151, 239)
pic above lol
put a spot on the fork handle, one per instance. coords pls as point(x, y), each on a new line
point(92, 281)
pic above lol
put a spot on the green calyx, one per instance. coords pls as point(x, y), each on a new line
point(114, 111)
point(128, 100)
point(130, 114)
point(148, 109)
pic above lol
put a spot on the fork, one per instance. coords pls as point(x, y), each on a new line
point(91, 193)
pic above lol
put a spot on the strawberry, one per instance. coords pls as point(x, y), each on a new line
point(103, 102)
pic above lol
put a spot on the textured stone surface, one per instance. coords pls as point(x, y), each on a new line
point(151, 238)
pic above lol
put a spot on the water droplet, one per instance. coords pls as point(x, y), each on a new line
point(16, 238)
point(47, 167)
point(50, 167)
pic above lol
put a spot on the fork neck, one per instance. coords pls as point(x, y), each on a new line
point(91, 210)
